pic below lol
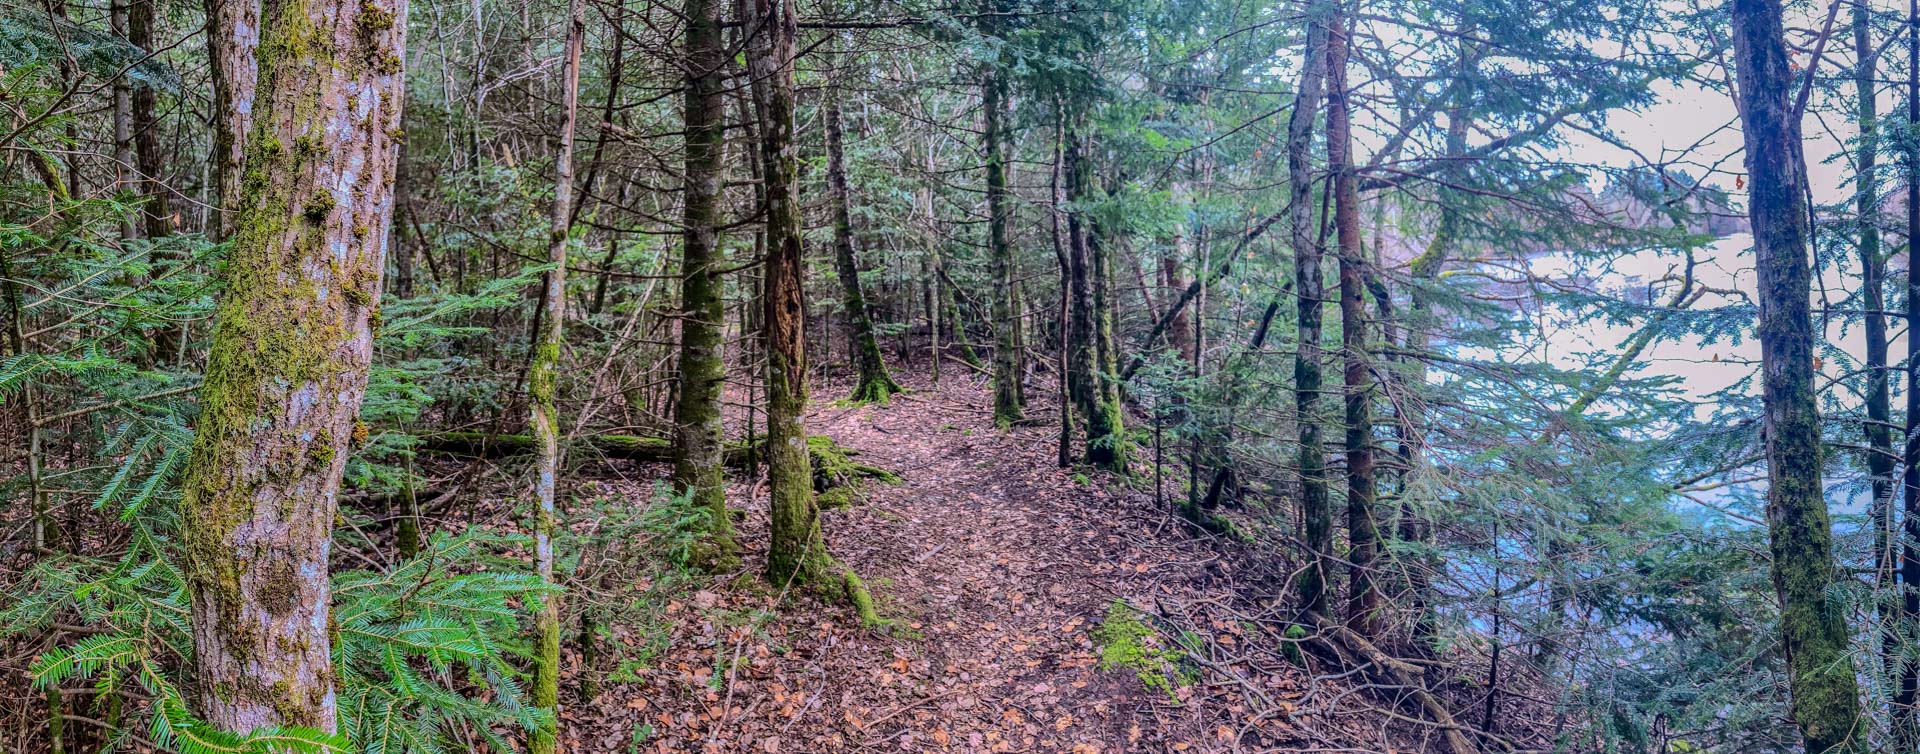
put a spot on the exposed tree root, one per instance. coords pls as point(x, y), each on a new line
point(878, 390)
point(1399, 680)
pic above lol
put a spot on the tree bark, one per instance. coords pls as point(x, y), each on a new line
point(289, 362)
point(1363, 535)
point(874, 385)
point(1316, 514)
point(1107, 444)
point(797, 554)
point(233, 37)
point(1825, 696)
point(543, 377)
point(1009, 405)
point(698, 430)
point(156, 218)
point(1907, 697)
point(1873, 275)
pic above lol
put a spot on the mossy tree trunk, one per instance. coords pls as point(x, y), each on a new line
point(874, 385)
point(543, 383)
point(1108, 446)
point(289, 362)
point(1825, 696)
point(1087, 381)
point(698, 455)
point(233, 39)
point(797, 553)
point(1364, 601)
point(1009, 404)
point(1315, 512)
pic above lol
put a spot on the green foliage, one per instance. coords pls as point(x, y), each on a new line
point(31, 37)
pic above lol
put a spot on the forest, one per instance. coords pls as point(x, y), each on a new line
point(1081, 376)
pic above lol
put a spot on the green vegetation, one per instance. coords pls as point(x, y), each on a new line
point(1128, 643)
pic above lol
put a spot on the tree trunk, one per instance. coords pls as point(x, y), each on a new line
point(1363, 537)
point(874, 385)
point(233, 36)
point(1316, 514)
point(1080, 356)
point(157, 220)
point(1107, 444)
point(1907, 698)
point(797, 554)
point(1009, 406)
point(1064, 449)
point(1873, 275)
point(698, 430)
point(126, 180)
point(1825, 697)
point(543, 377)
point(288, 366)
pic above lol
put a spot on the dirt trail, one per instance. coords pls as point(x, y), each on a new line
point(999, 564)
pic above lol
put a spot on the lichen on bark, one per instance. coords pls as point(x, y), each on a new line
point(288, 366)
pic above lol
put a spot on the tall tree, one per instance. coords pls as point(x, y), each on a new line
point(1873, 274)
point(874, 384)
point(1309, 288)
point(543, 377)
point(289, 362)
point(1363, 535)
point(698, 453)
point(233, 37)
point(1825, 697)
point(1906, 702)
point(798, 553)
point(1009, 402)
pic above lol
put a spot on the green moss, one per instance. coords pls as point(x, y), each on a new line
point(318, 206)
point(833, 465)
point(1290, 649)
point(835, 498)
point(374, 18)
point(1126, 642)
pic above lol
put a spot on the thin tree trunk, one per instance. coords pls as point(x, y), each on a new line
point(1065, 450)
point(874, 385)
point(1872, 286)
point(698, 453)
point(543, 377)
point(126, 179)
point(288, 366)
point(1907, 698)
point(1315, 512)
point(1363, 538)
point(1009, 406)
point(1825, 696)
point(1415, 527)
point(157, 220)
point(1107, 444)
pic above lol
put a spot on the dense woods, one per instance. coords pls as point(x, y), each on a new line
point(1012, 375)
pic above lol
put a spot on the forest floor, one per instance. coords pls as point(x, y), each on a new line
point(998, 569)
